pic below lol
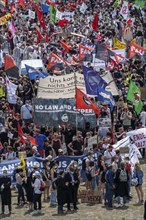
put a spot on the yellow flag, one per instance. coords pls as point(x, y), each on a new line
point(22, 163)
point(2, 92)
point(118, 44)
point(134, 40)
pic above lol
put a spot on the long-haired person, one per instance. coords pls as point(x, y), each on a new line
point(138, 173)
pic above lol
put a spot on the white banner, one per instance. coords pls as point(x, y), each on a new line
point(55, 87)
point(31, 14)
point(68, 15)
point(139, 137)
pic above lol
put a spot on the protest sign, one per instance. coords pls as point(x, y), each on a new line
point(94, 197)
point(53, 87)
point(91, 141)
point(105, 122)
point(53, 112)
point(139, 137)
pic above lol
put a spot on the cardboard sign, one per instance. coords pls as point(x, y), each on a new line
point(91, 141)
point(93, 197)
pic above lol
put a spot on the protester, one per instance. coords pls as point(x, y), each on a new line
point(121, 184)
point(138, 173)
point(108, 40)
point(5, 183)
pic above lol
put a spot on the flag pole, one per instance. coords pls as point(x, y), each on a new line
point(75, 80)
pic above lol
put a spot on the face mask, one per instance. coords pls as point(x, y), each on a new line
point(72, 172)
point(75, 165)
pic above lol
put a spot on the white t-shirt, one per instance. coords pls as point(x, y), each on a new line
point(37, 184)
point(109, 155)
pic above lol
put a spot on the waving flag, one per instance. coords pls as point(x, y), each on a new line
point(25, 137)
point(134, 96)
point(135, 49)
point(3, 5)
point(95, 22)
point(55, 60)
point(10, 67)
point(11, 91)
point(105, 96)
point(92, 81)
point(34, 73)
point(83, 51)
point(83, 102)
point(118, 44)
point(102, 53)
point(21, 3)
point(53, 13)
point(66, 46)
point(45, 8)
point(39, 35)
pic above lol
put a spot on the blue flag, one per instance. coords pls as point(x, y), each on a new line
point(92, 81)
point(34, 73)
point(105, 96)
point(45, 8)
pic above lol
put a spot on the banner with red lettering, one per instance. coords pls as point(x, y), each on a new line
point(139, 137)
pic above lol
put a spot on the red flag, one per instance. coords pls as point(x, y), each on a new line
point(54, 59)
point(40, 16)
point(25, 137)
point(51, 3)
point(66, 46)
point(95, 22)
point(8, 62)
point(63, 23)
point(20, 133)
point(21, 3)
point(83, 102)
point(40, 37)
point(119, 58)
point(136, 49)
point(83, 50)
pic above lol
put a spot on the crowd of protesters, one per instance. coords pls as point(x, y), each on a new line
point(105, 169)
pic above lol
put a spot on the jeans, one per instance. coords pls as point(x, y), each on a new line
point(93, 183)
point(119, 200)
point(37, 199)
point(20, 193)
point(53, 198)
point(109, 194)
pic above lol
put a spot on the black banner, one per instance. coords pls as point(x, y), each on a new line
point(54, 112)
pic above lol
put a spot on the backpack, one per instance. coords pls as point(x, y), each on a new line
point(123, 176)
point(42, 185)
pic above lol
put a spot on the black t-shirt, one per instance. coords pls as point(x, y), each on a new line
point(15, 123)
point(78, 147)
point(68, 135)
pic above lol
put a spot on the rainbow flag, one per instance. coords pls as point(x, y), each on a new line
point(3, 5)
